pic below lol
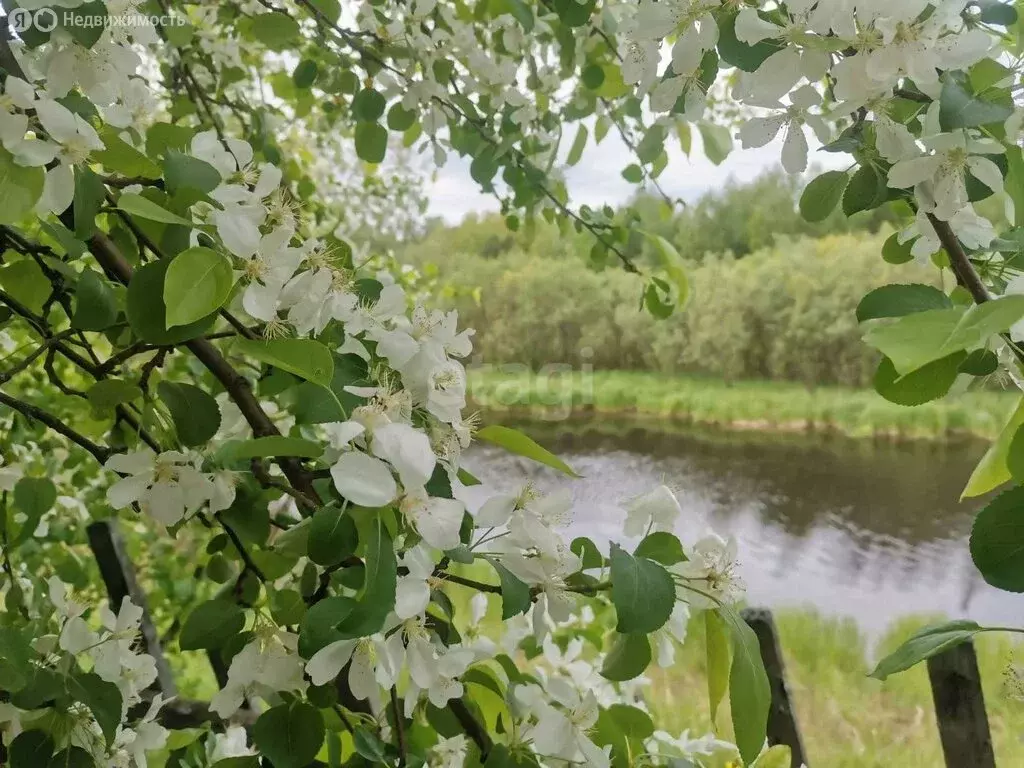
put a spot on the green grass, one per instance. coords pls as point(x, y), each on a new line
point(741, 405)
point(846, 719)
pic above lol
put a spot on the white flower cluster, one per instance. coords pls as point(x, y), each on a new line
point(110, 651)
point(864, 51)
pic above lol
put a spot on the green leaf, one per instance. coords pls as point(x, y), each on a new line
point(895, 252)
point(628, 658)
point(183, 171)
point(992, 471)
point(822, 195)
point(277, 31)
point(102, 698)
point(1014, 183)
point(371, 142)
point(750, 694)
point(924, 644)
point(368, 105)
point(30, 749)
point(331, 9)
point(672, 263)
point(898, 300)
point(749, 58)
point(95, 303)
point(87, 23)
point(981, 362)
point(377, 597)
point(588, 553)
point(147, 313)
point(273, 445)
point(515, 594)
point(289, 735)
point(959, 108)
point(104, 396)
point(15, 659)
point(580, 142)
point(120, 156)
point(90, 193)
point(642, 591)
point(997, 12)
point(198, 282)
point(717, 142)
point(400, 118)
point(195, 413)
point(662, 547)
point(306, 358)
point(304, 74)
point(574, 13)
point(287, 607)
point(319, 626)
point(997, 538)
point(210, 625)
point(164, 137)
point(633, 173)
point(72, 757)
point(719, 658)
point(514, 441)
point(367, 744)
point(929, 382)
point(34, 497)
point(249, 761)
point(25, 281)
point(332, 536)
point(918, 338)
point(137, 205)
point(866, 190)
point(20, 189)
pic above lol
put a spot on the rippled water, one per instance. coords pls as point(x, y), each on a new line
point(855, 528)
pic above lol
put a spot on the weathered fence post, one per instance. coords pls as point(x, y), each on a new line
point(960, 708)
point(782, 727)
point(119, 577)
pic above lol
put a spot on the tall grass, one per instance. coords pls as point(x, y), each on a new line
point(759, 405)
point(846, 719)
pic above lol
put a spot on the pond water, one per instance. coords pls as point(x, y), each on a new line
point(851, 527)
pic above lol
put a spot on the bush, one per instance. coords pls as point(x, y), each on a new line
point(785, 312)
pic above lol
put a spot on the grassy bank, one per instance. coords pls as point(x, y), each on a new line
point(742, 405)
point(847, 719)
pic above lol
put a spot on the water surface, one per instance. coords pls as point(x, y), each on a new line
point(858, 528)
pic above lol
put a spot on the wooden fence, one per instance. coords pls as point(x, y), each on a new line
point(955, 682)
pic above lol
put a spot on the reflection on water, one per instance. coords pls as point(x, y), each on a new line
point(857, 528)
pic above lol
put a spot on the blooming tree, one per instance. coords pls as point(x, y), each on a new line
point(198, 344)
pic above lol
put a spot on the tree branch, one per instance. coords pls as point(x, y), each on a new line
point(38, 414)
point(472, 728)
point(961, 265)
point(399, 728)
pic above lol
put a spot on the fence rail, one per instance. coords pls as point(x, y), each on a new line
point(955, 681)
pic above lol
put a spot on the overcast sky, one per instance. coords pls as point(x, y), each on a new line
point(597, 178)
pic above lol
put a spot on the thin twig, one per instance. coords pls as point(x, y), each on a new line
point(38, 414)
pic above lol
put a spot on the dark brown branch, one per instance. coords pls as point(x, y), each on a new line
point(43, 417)
point(473, 729)
point(903, 93)
point(965, 273)
point(961, 265)
point(396, 710)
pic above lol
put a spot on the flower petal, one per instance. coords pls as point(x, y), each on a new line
point(364, 480)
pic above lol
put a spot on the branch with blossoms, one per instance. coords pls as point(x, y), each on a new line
point(288, 405)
